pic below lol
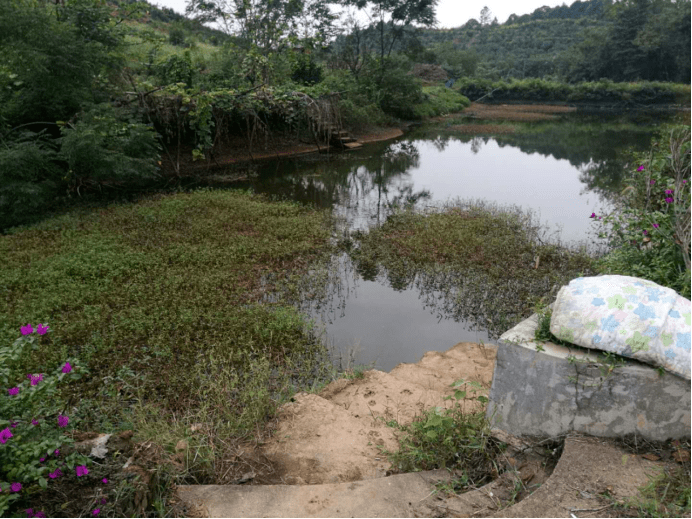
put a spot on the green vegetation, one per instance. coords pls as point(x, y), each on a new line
point(440, 101)
point(487, 263)
point(162, 301)
point(603, 91)
point(666, 495)
point(453, 438)
point(650, 227)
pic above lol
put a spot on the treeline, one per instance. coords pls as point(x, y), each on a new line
point(630, 40)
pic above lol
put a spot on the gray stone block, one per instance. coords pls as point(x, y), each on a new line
point(542, 393)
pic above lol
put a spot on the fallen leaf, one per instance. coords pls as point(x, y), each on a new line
point(681, 456)
point(651, 456)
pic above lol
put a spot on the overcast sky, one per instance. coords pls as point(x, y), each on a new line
point(450, 13)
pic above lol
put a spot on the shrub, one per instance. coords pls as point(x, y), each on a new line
point(306, 71)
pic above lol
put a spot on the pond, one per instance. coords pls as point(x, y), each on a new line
point(561, 172)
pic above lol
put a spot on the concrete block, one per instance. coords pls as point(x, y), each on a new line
point(542, 393)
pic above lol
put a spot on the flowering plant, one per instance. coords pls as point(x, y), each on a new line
point(649, 230)
point(32, 421)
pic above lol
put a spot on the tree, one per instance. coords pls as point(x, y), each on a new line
point(391, 18)
point(486, 16)
point(264, 23)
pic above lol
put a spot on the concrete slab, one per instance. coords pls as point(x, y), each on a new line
point(394, 496)
point(542, 393)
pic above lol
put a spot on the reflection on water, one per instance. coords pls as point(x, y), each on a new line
point(563, 175)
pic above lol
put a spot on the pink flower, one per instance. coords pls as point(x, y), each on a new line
point(104, 481)
point(669, 191)
point(82, 470)
point(56, 452)
point(15, 487)
point(42, 329)
point(42, 460)
point(5, 435)
point(40, 514)
point(669, 200)
point(96, 512)
point(103, 500)
point(26, 330)
point(67, 368)
point(14, 424)
point(35, 379)
point(63, 421)
point(600, 217)
point(684, 181)
point(29, 512)
point(55, 474)
point(34, 422)
point(641, 168)
point(593, 215)
point(644, 231)
point(655, 226)
point(652, 182)
point(13, 391)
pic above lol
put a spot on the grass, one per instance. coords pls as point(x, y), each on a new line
point(440, 100)
point(472, 261)
point(165, 300)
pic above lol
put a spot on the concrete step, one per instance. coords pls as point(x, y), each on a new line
point(344, 140)
point(352, 145)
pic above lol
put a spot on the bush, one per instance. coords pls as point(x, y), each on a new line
point(30, 179)
point(306, 71)
point(440, 101)
point(650, 227)
point(104, 148)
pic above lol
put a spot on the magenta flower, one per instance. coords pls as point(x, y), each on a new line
point(14, 424)
point(103, 500)
point(35, 379)
point(644, 231)
point(652, 182)
point(62, 422)
point(593, 215)
point(655, 226)
point(34, 422)
point(96, 512)
point(104, 481)
point(669, 191)
point(600, 217)
point(26, 330)
point(15, 487)
point(40, 514)
point(29, 512)
point(56, 452)
point(55, 474)
point(5, 435)
point(82, 470)
point(42, 460)
point(67, 368)
point(641, 168)
point(42, 329)
point(684, 181)
point(669, 200)
point(13, 391)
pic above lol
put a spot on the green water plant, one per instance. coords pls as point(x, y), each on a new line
point(33, 423)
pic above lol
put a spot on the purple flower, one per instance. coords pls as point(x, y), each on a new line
point(652, 182)
point(644, 231)
point(684, 181)
point(103, 500)
point(593, 215)
point(62, 422)
point(96, 512)
point(42, 329)
point(55, 474)
point(655, 226)
point(26, 330)
point(56, 452)
point(40, 514)
point(104, 481)
point(14, 424)
point(641, 168)
point(29, 512)
point(669, 200)
point(13, 391)
point(82, 470)
point(5, 435)
point(67, 368)
point(34, 422)
point(15, 487)
point(35, 379)
point(669, 191)
point(600, 217)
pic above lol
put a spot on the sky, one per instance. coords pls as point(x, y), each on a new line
point(450, 13)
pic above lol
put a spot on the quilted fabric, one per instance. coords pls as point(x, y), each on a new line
point(625, 315)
